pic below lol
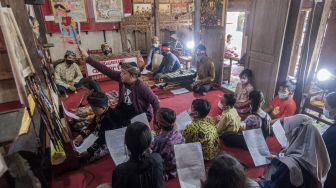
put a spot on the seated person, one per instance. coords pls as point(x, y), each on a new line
point(165, 141)
point(68, 76)
point(85, 112)
point(205, 71)
point(283, 105)
point(226, 171)
point(154, 49)
point(242, 92)
point(304, 163)
point(170, 63)
point(202, 129)
point(229, 120)
point(144, 169)
point(102, 121)
point(257, 119)
point(329, 112)
point(106, 49)
point(135, 97)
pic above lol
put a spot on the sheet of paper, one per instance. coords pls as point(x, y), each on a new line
point(145, 71)
point(3, 165)
point(257, 146)
point(87, 142)
point(69, 114)
point(280, 134)
point(140, 118)
point(115, 141)
point(182, 120)
point(323, 128)
point(190, 164)
point(179, 91)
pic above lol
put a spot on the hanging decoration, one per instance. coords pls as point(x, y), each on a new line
point(68, 21)
point(108, 10)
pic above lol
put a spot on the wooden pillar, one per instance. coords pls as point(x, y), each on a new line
point(311, 49)
point(40, 18)
point(157, 18)
point(197, 25)
point(328, 56)
point(288, 46)
point(214, 40)
point(297, 43)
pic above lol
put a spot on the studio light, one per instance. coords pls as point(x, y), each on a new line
point(323, 75)
point(190, 44)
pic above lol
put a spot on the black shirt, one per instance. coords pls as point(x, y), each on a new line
point(133, 175)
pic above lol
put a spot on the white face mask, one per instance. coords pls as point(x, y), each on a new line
point(327, 114)
point(244, 81)
point(156, 45)
point(282, 95)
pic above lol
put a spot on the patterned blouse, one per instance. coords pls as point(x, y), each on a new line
point(203, 131)
point(65, 75)
point(164, 145)
point(242, 93)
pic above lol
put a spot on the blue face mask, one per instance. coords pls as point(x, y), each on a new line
point(327, 114)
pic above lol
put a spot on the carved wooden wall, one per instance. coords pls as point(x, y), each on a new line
point(265, 45)
point(139, 30)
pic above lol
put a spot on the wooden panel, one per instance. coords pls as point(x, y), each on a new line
point(8, 91)
point(267, 27)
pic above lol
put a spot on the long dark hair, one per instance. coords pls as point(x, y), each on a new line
point(138, 139)
point(226, 172)
point(256, 97)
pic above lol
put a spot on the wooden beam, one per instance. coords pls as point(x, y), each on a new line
point(297, 43)
point(40, 19)
point(197, 26)
point(311, 50)
point(157, 18)
point(288, 46)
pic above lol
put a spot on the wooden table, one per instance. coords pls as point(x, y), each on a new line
point(228, 68)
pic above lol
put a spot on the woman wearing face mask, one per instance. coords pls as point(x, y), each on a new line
point(329, 112)
point(283, 105)
point(244, 88)
point(154, 49)
point(68, 76)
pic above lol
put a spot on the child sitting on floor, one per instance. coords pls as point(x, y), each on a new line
point(165, 141)
point(202, 129)
point(242, 92)
point(229, 120)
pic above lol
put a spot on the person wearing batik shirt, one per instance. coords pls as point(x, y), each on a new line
point(165, 141)
point(68, 76)
point(135, 97)
point(202, 129)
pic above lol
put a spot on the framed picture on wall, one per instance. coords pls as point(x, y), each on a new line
point(75, 7)
point(164, 1)
point(178, 9)
point(165, 10)
point(108, 10)
point(212, 13)
point(144, 9)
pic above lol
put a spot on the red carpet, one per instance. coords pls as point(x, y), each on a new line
point(99, 172)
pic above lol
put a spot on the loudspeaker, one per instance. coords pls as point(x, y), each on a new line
point(35, 2)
